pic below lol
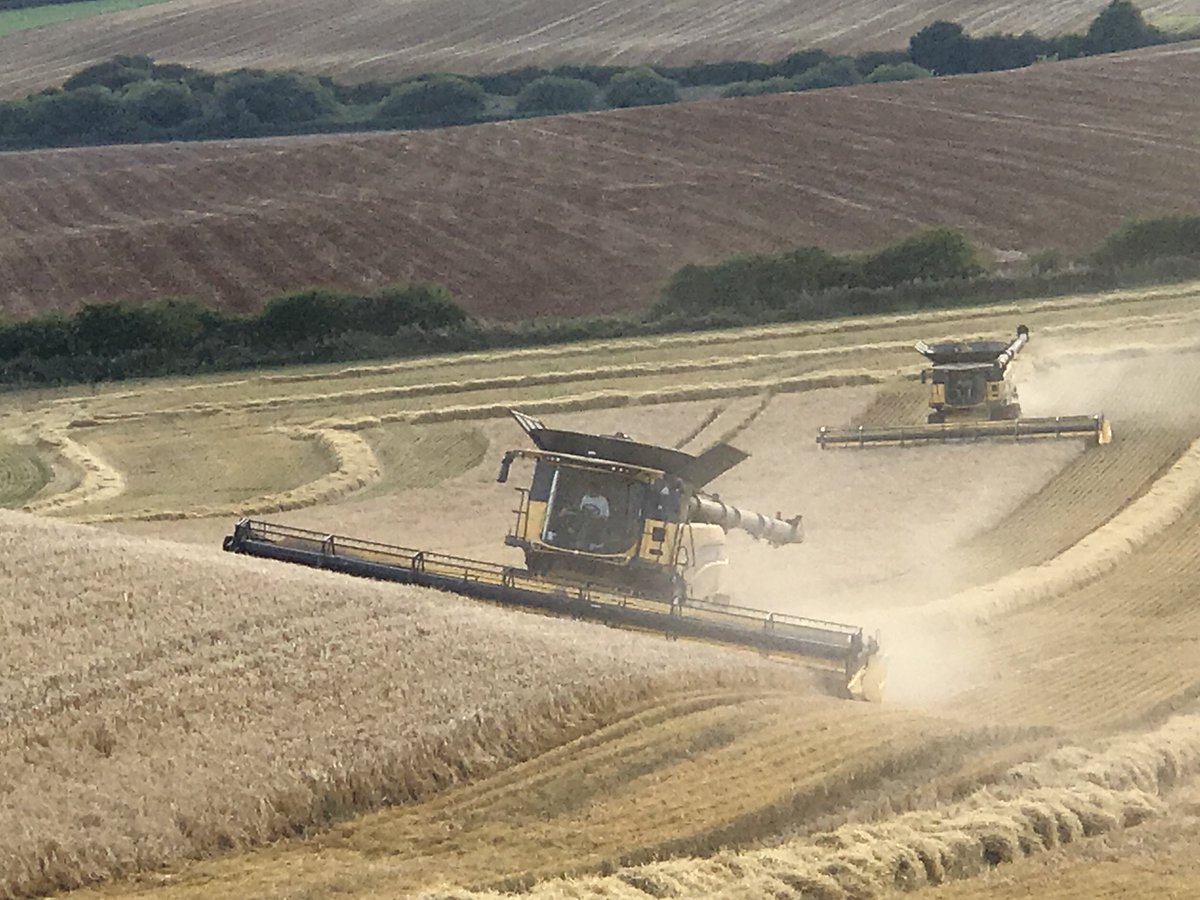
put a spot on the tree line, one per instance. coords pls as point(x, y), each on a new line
point(936, 268)
point(131, 99)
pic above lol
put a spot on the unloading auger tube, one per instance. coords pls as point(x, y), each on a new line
point(1014, 348)
point(711, 510)
point(844, 652)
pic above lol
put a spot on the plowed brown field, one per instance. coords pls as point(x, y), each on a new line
point(613, 202)
point(1037, 603)
point(379, 39)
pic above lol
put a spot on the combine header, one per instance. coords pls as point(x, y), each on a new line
point(971, 398)
point(613, 531)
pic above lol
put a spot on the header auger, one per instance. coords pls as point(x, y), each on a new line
point(613, 531)
point(971, 398)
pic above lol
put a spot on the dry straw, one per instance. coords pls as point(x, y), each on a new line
point(196, 701)
point(1095, 555)
point(98, 482)
point(466, 386)
point(1065, 797)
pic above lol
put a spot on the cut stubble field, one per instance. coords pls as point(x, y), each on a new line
point(241, 702)
point(1051, 156)
point(388, 40)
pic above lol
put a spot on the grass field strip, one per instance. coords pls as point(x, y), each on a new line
point(14, 20)
point(400, 392)
point(613, 399)
point(596, 373)
point(921, 321)
point(23, 472)
point(1096, 554)
point(355, 467)
point(701, 339)
point(568, 376)
point(1071, 794)
point(354, 470)
point(99, 482)
point(351, 474)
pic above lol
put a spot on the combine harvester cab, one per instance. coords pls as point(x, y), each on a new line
point(614, 531)
point(971, 398)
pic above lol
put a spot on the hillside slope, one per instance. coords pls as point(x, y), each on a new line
point(586, 214)
point(381, 39)
point(1043, 676)
point(195, 701)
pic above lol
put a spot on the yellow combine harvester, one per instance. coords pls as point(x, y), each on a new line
point(614, 531)
point(971, 397)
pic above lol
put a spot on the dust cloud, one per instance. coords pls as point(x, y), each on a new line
point(1123, 382)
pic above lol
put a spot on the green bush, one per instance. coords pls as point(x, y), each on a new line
point(905, 71)
point(776, 85)
point(942, 47)
point(314, 317)
point(1145, 240)
point(556, 94)
point(868, 62)
point(795, 280)
point(89, 115)
point(1047, 260)
point(161, 104)
point(425, 307)
point(1119, 26)
point(801, 61)
point(110, 329)
point(640, 87)
point(510, 82)
point(756, 282)
point(725, 72)
point(934, 255)
point(446, 96)
point(272, 98)
point(113, 74)
point(113, 340)
point(835, 73)
point(597, 75)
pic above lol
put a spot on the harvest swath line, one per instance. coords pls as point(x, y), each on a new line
point(742, 752)
point(84, 420)
point(1043, 806)
point(228, 668)
point(730, 766)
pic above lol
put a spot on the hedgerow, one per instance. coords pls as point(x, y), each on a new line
point(938, 268)
point(132, 98)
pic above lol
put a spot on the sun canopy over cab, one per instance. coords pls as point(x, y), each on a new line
point(696, 471)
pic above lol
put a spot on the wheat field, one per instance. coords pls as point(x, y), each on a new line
point(1036, 603)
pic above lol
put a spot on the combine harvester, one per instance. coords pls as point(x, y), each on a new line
point(971, 398)
point(613, 531)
